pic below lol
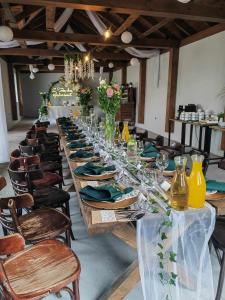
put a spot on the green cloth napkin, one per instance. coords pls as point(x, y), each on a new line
point(92, 169)
point(171, 166)
point(77, 144)
point(103, 193)
point(213, 185)
point(150, 151)
point(74, 136)
point(82, 154)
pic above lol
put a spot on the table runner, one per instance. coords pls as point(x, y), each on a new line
point(187, 242)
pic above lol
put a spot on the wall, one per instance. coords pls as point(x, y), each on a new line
point(201, 77)
point(6, 94)
point(31, 89)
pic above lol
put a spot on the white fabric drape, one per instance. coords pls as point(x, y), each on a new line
point(4, 148)
point(188, 238)
point(101, 27)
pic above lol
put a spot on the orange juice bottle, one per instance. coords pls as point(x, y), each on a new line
point(196, 183)
point(125, 132)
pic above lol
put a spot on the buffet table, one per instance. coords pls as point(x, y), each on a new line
point(58, 111)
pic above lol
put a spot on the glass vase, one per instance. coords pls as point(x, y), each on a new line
point(109, 127)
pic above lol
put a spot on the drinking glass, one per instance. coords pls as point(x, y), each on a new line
point(140, 147)
point(162, 162)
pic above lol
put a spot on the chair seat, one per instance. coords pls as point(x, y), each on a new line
point(41, 269)
point(218, 234)
point(50, 197)
point(42, 224)
point(49, 179)
point(50, 166)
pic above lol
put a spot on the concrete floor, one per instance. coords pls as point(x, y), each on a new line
point(103, 257)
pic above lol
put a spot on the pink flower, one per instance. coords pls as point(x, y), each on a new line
point(116, 86)
point(109, 92)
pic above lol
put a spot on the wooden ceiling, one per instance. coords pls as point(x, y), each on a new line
point(155, 24)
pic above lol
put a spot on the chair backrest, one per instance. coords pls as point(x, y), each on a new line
point(2, 182)
point(19, 178)
point(15, 154)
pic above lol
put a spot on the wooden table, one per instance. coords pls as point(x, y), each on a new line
point(124, 231)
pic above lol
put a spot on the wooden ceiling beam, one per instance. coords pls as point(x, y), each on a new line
point(203, 34)
point(50, 22)
point(91, 39)
point(126, 24)
point(146, 23)
point(163, 8)
point(27, 11)
point(55, 53)
point(155, 28)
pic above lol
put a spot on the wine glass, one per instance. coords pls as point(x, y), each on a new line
point(162, 162)
point(140, 147)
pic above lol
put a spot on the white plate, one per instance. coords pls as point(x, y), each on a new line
point(211, 193)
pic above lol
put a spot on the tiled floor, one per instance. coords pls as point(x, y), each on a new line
point(103, 257)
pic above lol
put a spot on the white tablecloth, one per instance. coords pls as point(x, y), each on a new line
point(55, 112)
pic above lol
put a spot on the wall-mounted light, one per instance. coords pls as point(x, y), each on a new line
point(86, 58)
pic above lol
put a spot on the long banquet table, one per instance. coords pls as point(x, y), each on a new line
point(188, 238)
point(124, 231)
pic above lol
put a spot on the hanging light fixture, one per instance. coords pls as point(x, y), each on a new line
point(51, 67)
point(35, 70)
point(184, 1)
point(111, 65)
point(107, 34)
point(126, 37)
point(6, 34)
point(134, 61)
point(32, 76)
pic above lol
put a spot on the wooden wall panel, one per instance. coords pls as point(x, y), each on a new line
point(12, 91)
point(172, 86)
point(142, 89)
point(124, 75)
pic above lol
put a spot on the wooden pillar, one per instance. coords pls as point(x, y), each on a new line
point(172, 86)
point(124, 75)
point(12, 91)
point(110, 76)
point(19, 92)
point(142, 89)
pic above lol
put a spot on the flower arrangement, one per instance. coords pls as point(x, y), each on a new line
point(109, 96)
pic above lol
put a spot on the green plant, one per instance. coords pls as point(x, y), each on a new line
point(85, 95)
point(43, 110)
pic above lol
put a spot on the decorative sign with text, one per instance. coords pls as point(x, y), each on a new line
point(62, 92)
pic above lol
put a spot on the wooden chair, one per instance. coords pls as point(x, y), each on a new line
point(43, 197)
point(46, 166)
point(34, 226)
point(38, 178)
point(218, 240)
point(34, 272)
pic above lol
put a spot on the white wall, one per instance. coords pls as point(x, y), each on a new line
point(41, 83)
point(6, 94)
point(117, 76)
point(201, 77)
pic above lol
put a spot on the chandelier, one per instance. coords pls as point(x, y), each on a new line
point(78, 67)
